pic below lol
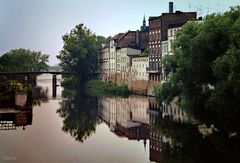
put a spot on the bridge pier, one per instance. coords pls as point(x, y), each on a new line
point(54, 86)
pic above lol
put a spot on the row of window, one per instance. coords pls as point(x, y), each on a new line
point(140, 65)
point(172, 32)
point(155, 46)
point(154, 60)
point(153, 32)
point(140, 60)
point(140, 73)
point(154, 42)
point(123, 58)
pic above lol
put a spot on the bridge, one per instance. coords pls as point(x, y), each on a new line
point(27, 74)
point(35, 73)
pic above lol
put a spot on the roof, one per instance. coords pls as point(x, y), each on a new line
point(175, 25)
point(118, 36)
point(123, 35)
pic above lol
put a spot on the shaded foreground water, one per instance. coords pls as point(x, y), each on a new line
point(108, 130)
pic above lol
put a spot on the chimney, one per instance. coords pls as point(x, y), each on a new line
point(170, 7)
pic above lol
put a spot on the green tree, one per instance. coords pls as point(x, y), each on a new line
point(79, 53)
point(23, 60)
point(205, 68)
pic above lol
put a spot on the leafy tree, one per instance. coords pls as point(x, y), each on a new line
point(23, 60)
point(205, 68)
point(79, 53)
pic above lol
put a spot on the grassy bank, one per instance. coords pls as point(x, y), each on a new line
point(97, 87)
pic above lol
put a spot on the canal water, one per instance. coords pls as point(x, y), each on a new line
point(52, 137)
point(104, 130)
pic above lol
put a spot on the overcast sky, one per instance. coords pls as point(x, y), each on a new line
point(39, 24)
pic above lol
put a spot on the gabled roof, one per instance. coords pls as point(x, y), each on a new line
point(118, 36)
point(123, 35)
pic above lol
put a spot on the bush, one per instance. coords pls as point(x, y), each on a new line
point(96, 86)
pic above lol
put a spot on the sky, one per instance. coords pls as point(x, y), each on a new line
point(40, 24)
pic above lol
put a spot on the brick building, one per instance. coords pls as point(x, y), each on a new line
point(158, 28)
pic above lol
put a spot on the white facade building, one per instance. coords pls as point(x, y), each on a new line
point(138, 69)
point(103, 62)
point(123, 60)
point(171, 37)
point(164, 53)
point(112, 58)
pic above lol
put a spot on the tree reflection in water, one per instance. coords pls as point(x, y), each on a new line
point(197, 142)
point(39, 95)
point(80, 116)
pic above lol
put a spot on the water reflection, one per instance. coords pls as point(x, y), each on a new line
point(39, 95)
point(174, 135)
point(182, 141)
point(133, 118)
point(79, 117)
point(16, 106)
point(126, 117)
point(166, 132)
point(12, 119)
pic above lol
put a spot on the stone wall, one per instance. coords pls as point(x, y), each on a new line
point(140, 87)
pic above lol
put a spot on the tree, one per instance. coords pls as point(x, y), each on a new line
point(23, 60)
point(79, 53)
point(205, 68)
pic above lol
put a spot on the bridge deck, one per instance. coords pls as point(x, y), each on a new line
point(34, 73)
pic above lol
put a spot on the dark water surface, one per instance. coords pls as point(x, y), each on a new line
point(108, 130)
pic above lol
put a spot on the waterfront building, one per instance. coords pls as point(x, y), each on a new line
point(158, 28)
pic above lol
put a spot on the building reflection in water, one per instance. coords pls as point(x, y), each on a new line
point(155, 138)
point(11, 119)
point(126, 117)
point(134, 118)
point(13, 116)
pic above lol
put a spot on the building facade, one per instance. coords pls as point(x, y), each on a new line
point(138, 67)
point(158, 32)
point(103, 62)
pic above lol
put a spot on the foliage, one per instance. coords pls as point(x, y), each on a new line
point(79, 53)
point(8, 88)
point(186, 144)
point(109, 88)
point(146, 52)
point(19, 87)
point(23, 60)
point(166, 92)
point(204, 71)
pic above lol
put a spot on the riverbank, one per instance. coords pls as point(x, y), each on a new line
point(96, 86)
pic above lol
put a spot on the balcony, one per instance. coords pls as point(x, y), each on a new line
point(153, 70)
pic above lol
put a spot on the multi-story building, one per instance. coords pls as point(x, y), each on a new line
point(138, 67)
point(164, 53)
point(107, 58)
point(167, 45)
point(130, 45)
point(171, 35)
point(103, 62)
point(115, 56)
point(158, 28)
